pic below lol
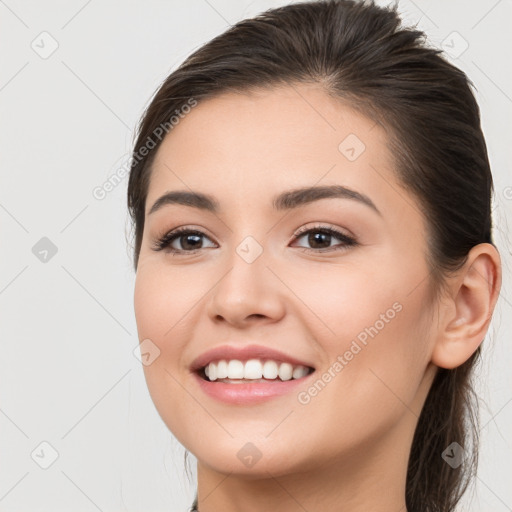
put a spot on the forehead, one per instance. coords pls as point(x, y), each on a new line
point(245, 146)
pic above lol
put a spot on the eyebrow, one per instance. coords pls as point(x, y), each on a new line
point(284, 201)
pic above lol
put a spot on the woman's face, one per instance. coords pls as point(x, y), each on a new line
point(266, 274)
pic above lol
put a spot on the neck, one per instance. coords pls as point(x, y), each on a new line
point(372, 478)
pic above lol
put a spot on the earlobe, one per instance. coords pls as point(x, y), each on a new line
point(464, 321)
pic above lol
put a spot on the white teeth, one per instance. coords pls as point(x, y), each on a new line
point(235, 369)
point(299, 372)
point(254, 369)
point(270, 370)
point(285, 371)
point(212, 371)
point(222, 369)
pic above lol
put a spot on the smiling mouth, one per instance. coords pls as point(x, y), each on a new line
point(235, 371)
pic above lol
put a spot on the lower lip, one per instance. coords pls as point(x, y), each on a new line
point(250, 393)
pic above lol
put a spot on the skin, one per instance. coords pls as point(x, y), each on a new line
point(349, 445)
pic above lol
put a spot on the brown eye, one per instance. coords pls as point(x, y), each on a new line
point(320, 238)
point(188, 240)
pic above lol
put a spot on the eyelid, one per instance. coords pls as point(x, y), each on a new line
point(163, 242)
point(348, 240)
point(323, 226)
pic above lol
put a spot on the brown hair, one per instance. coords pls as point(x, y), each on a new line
point(360, 53)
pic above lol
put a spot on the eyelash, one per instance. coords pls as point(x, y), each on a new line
point(164, 242)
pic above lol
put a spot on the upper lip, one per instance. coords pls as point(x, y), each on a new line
point(243, 353)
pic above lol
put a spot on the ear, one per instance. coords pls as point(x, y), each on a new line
point(466, 315)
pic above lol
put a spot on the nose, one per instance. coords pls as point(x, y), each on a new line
point(247, 292)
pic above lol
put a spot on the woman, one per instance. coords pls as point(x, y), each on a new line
point(310, 198)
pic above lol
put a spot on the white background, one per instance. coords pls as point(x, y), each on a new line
point(67, 372)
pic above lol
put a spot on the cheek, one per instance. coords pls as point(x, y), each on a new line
point(161, 305)
point(163, 301)
point(372, 327)
point(380, 359)
point(341, 303)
